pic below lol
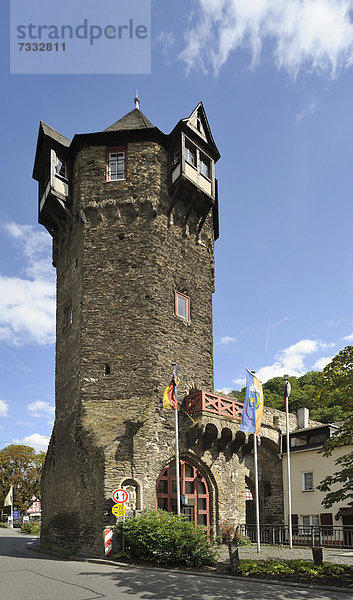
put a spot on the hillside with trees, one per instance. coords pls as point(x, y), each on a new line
point(329, 397)
point(326, 404)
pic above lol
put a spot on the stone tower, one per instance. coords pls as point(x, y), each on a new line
point(133, 214)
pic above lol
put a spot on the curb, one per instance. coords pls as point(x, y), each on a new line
point(113, 563)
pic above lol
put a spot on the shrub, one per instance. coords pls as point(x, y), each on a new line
point(3, 524)
point(296, 567)
point(30, 528)
point(166, 538)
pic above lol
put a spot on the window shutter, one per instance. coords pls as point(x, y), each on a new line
point(326, 521)
point(295, 523)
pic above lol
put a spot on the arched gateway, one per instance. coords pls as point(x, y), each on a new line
point(194, 492)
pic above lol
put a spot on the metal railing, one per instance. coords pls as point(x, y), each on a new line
point(329, 536)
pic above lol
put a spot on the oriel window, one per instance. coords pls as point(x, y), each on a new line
point(61, 168)
point(205, 166)
point(190, 153)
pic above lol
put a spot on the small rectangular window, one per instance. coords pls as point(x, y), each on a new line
point(190, 153)
point(308, 481)
point(116, 164)
point(182, 306)
point(60, 168)
point(176, 156)
point(205, 166)
point(68, 316)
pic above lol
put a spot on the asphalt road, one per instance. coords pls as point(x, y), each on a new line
point(25, 575)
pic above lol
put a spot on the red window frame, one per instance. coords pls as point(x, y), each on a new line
point(187, 298)
point(114, 150)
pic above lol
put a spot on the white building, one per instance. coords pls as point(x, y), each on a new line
point(308, 468)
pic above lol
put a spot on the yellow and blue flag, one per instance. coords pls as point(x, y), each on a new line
point(253, 405)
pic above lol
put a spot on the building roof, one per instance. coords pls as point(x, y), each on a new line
point(133, 120)
point(55, 135)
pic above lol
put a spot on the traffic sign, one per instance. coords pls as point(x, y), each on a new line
point(119, 510)
point(16, 514)
point(120, 496)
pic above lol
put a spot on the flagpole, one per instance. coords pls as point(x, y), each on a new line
point(11, 496)
point(177, 461)
point(290, 533)
point(257, 495)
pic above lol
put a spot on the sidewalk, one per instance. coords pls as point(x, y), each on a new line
point(342, 556)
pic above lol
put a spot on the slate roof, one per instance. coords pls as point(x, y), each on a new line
point(133, 120)
point(55, 135)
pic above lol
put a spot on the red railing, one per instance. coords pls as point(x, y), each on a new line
point(213, 403)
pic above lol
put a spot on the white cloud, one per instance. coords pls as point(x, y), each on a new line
point(240, 382)
point(4, 407)
point(349, 338)
point(227, 339)
point(290, 361)
point(27, 304)
point(278, 323)
point(36, 440)
point(225, 390)
point(41, 409)
point(166, 40)
point(305, 112)
point(314, 35)
point(25, 423)
point(321, 363)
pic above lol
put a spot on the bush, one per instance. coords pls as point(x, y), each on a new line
point(166, 538)
point(296, 567)
point(30, 528)
point(3, 524)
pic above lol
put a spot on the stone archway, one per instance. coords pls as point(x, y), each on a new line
point(270, 481)
point(194, 489)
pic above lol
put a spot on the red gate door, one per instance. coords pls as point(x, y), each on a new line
point(194, 492)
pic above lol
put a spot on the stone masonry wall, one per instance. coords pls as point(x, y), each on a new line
point(118, 264)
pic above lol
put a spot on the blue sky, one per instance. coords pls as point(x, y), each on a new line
point(276, 80)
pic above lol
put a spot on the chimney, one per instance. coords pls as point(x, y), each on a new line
point(303, 418)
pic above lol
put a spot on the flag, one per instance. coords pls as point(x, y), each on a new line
point(253, 405)
point(286, 391)
point(169, 394)
point(9, 498)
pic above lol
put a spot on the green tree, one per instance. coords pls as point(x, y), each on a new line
point(303, 392)
point(337, 386)
point(21, 467)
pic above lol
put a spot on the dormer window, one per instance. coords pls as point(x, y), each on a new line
point(116, 164)
point(190, 153)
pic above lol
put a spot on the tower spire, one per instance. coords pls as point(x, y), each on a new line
point(137, 100)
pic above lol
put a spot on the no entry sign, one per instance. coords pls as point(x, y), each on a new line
point(120, 496)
